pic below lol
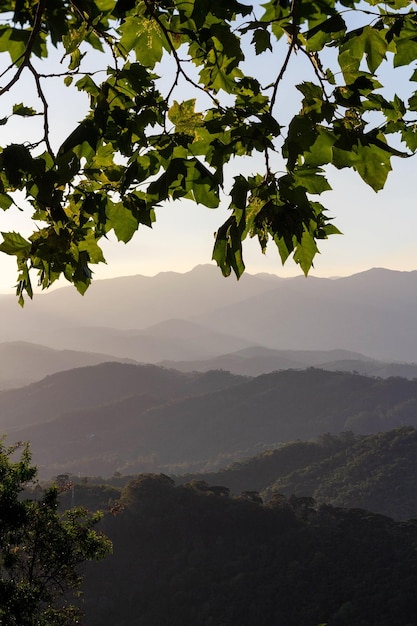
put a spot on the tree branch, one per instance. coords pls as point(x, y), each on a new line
point(28, 51)
point(174, 53)
point(292, 47)
point(45, 108)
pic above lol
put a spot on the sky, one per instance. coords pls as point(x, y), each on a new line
point(379, 229)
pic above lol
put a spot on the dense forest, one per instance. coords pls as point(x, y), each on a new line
point(313, 529)
point(293, 536)
point(374, 472)
point(192, 554)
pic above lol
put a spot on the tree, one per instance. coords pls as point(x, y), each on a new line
point(40, 550)
point(139, 146)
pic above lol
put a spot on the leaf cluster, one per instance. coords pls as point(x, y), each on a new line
point(139, 145)
point(41, 549)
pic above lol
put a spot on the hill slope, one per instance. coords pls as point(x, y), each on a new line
point(374, 472)
point(185, 556)
point(22, 363)
point(144, 417)
point(370, 313)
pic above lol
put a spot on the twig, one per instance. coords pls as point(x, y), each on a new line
point(45, 108)
point(292, 47)
point(178, 60)
point(28, 51)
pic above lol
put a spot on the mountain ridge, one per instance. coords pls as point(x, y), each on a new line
point(191, 420)
point(371, 313)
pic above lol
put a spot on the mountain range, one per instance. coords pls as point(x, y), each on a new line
point(200, 315)
point(237, 371)
point(200, 321)
point(117, 417)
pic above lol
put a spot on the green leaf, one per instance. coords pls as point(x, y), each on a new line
point(370, 161)
point(75, 61)
point(90, 245)
point(375, 47)
point(331, 229)
point(145, 37)
point(13, 41)
point(23, 111)
point(203, 184)
point(87, 84)
point(227, 251)
point(14, 244)
point(74, 38)
point(406, 47)
point(373, 165)
point(284, 250)
point(301, 136)
point(311, 179)
point(121, 220)
point(262, 40)
point(325, 31)
point(82, 141)
point(5, 201)
point(305, 251)
point(136, 203)
point(409, 136)
point(321, 151)
point(239, 192)
point(185, 118)
point(218, 78)
point(350, 57)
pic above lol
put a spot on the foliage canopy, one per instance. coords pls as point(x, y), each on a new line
point(140, 144)
point(218, 559)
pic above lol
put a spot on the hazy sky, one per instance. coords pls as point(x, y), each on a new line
point(380, 230)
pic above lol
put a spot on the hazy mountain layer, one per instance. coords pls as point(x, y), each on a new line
point(127, 418)
point(133, 302)
point(171, 339)
point(255, 361)
point(22, 363)
point(370, 313)
point(97, 387)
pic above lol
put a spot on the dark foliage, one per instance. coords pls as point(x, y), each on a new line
point(375, 472)
point(193, 555)
point(41, 550)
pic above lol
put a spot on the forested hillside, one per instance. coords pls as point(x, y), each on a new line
point(190, 555)
point(128, 418)
point(236, 559)
point(375, 472)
